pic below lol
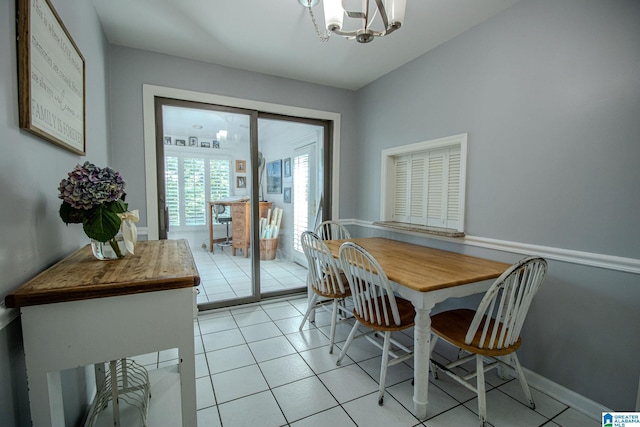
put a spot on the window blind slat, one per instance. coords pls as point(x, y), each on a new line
point(435, 190)
point(194, 191)
point(172, 189)
point(453, 189)
point(417, 196)
point(401, 189)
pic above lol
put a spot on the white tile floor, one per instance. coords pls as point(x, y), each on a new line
point(225, 277)
point(254, 368)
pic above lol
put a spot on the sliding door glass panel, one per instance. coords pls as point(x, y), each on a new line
point(289, 185)
point(241, 188)
point(207, 195)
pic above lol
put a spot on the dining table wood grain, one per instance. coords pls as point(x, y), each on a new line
point(422, 268)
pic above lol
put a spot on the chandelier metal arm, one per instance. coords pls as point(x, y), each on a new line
point(364, 34)
point(383, 14)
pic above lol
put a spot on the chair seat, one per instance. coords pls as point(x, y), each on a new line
point(338, 294)
point(453, 326)
point(405, 309)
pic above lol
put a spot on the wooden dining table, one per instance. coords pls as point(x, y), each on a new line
point(426, 276)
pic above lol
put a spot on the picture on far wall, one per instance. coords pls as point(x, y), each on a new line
point(274, 177)
point(241, 166)
point(193, 141)
point(180, 142)
point(287, 167)
point(287, 194)
point(241, 182)
point(167, 140)
point(215, 144)
point(204, 144)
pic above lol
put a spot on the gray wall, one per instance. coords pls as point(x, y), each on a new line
point(131, 68)
point(549, 92)
point(32, 235)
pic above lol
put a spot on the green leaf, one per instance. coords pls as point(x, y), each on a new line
point(117, 207)
point(101, 223)
point(71, 215)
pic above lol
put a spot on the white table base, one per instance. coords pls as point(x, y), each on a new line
point(72, 334)
point(424, 303)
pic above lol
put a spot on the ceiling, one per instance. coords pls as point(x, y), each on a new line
point(277, 37)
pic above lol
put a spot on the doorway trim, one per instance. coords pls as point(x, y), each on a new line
point(149, 92)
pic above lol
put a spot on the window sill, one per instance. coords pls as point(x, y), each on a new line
point(447, 232)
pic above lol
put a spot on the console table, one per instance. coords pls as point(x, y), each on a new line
point(83, 311)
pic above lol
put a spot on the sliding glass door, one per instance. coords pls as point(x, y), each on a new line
point(240, 187)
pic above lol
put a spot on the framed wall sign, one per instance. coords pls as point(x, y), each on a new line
point(51, 77)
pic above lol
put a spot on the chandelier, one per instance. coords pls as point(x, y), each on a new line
point(390, 12)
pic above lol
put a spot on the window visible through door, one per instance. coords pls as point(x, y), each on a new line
point(305, 195)
point(191, 181)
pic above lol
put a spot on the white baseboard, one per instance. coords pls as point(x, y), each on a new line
point(629, 265)
point(562, 394)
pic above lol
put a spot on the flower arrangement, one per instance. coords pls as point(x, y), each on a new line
point(94, 197)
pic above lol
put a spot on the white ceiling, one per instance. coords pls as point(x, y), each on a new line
point(277, 37)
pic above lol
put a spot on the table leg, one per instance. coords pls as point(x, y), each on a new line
point(187, 371)
point(45, 398)
point(421, 349)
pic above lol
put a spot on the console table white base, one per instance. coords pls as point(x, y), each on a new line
point(72, 334)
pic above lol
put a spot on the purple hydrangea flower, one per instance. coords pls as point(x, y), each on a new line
point(88, 186)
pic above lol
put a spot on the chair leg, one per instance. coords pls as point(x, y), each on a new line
point(334, 318)
point(482, 398)
point(310, 308)
point(348, 342)
point(383, 366)
point(523, 380)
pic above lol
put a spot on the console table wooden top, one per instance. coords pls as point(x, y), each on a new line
point(157, 265)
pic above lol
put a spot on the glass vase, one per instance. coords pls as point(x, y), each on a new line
point(112, 249)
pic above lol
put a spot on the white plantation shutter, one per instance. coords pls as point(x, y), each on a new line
point(191, 181)
point(427, 188)
point(436, 190)
point(417, 195)
point(194, 192)
point(220, 180)
point(172, 189)
point(401, 199)
point(301, 196)
point(453, 189)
